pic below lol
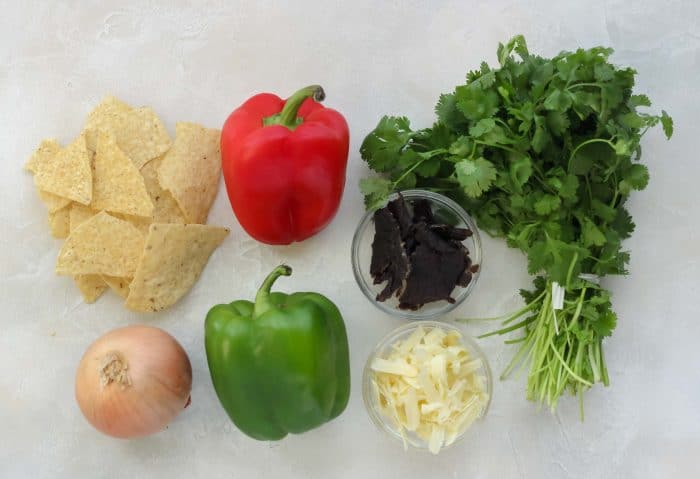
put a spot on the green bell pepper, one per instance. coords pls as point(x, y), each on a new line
point(279, 365)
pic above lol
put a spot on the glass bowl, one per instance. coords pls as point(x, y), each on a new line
point(445, 210)
point(371, 399)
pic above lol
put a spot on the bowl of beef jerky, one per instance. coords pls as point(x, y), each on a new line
point(418, 257)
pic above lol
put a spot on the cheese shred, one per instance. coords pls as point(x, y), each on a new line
point(431, 386)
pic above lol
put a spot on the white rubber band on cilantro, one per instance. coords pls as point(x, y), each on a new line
point(557, 296)
point(558, 292)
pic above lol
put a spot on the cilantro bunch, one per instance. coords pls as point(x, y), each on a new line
point(543, 152)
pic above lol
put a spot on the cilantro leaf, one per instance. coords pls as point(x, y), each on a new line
point(428, 168)
point(667, 123)
point(556, 258)
point(558, 122)
point(639, 100)
point(376, 191)
point(462, 146)
point(547, 204)
point(566, 185)
point(448, 114)
point(623, 224)
point(603, 72)
point(521, 170)
point(541, 137)
point(382, 146)
point(590, 234)
point(559, 100)
point(482, 127)
point(475, 176)
point(605, 323)
point(516, 44)
point(603, 211)
point(476, 103)
point(635, 178)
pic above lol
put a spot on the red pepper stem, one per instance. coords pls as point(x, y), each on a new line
point(262, 299)
point(288, 115)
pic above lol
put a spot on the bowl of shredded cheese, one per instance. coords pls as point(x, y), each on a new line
point(426, 384)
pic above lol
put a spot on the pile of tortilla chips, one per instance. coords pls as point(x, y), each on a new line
point(132, 204)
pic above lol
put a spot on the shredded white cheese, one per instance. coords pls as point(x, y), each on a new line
point(431, 386)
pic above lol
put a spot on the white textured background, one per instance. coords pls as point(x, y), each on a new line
point(196, 61)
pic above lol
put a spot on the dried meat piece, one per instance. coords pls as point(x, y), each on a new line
point(451, 233)
point(437, 265)
point(421, 260)
point(399, 210)
point(423, 212)
point(389, 260)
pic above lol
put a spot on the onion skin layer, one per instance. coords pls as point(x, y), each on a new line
point(159, 382)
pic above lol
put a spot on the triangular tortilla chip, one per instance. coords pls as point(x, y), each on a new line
point(101, 245)
point(191, 170)
point(117, 185)
point(91, 286)
point(79, 214)
point(47, 150)
point(138, 131)
point(108, 116)
point(68, 173)
point(59, 222)
point(173, 258)
point(166, 209)
point(143, 137)
point(141, 224)
point(118, 285)
point(53, 202)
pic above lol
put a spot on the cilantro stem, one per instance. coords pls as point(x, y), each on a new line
point(571, 269)
point(502, 147)
point(576, 85)
point(526, 348)
point(406, 173)
point(587, 142)
point(513, 327)
point(566, 366)
point(604, 369)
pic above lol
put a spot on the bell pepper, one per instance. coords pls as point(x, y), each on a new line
point(279, 365)
point(284, 164)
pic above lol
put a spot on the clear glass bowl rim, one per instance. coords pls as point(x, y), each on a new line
point(378, 418)
point(474, 252)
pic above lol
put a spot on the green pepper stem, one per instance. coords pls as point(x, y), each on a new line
point(288, 116)
point(262, 299)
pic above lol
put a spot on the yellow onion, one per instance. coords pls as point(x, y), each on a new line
point(133, 381)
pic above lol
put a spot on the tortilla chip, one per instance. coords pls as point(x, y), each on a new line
point(138, 131)
point(165, 209)
point(102, 244)
point(143, 137)
point(173, 258)
point(118, 285)
point(59, 222)
point(191, 170)
point(108, 116)
point(53, 202)
point(141, 224)
point(79, 214)
point(118, 186)
point(47, 150)
point(91, 286)
point(68, 173)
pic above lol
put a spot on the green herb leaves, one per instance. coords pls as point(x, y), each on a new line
point(544, 152)
point(537, 141)
point(475, 176)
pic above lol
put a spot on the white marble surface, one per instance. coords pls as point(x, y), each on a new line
point(196, 60)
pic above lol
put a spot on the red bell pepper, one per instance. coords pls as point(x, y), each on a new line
point(284, 164)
